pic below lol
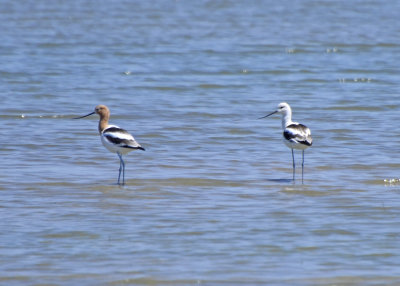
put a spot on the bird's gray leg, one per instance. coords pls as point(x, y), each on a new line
point(121, 168)
point(123, 171)
point(294, 166)
point(302, 169)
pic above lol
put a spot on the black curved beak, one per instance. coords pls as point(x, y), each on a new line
point(84, 115)
point(268, 115)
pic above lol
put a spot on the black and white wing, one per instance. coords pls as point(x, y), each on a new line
point(120, 138)
point(298, 133)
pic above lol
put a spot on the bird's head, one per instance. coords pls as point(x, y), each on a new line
point(283, 107)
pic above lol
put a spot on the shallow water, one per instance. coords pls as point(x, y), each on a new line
point(211, 200)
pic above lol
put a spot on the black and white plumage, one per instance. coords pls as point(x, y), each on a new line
point(114, 138)
point(118, 140)
point(295, 135)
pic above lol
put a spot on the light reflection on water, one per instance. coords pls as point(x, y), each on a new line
point(211, 200)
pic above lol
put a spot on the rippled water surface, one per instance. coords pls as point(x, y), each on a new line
point(211, 200)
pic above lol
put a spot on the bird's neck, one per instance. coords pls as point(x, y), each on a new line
point(103, 123)
point(286, 119)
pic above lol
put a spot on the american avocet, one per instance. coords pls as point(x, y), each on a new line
point(295, 135)
point(115, 139)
